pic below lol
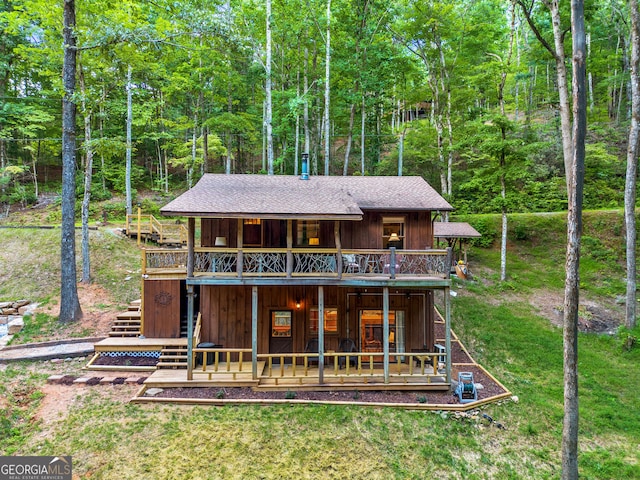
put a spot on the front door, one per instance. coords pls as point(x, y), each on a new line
point(281, 333)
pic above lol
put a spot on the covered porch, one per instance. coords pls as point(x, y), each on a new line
point(388, 363)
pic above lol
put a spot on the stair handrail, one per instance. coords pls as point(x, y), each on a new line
point(197, 330)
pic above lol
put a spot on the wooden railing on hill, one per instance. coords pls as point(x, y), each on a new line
point(147, 227)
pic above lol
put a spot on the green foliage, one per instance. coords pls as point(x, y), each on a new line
point(36, 327)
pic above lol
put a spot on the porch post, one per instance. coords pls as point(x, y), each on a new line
point(289, 265)
point(385, 332)
point(321, 334)
point(447, 331)
point(190, 296)
point(254, 332)
point(336, 235)
point(239, 237)
point(191, 241)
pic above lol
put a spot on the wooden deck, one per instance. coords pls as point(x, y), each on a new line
point(137, 344)
point(284, 377)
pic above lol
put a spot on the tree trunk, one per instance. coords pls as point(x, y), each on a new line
point(401, 150)
point(632, 166)
point(327, 91)
point(194, 148)
point(305, 114)
point(363, 117)
point(88, 173)
point(347, 150)
point(574, 234)
point(128, 155)
point(70, 310)
point(563, 90)
point(561, 71)
point(268, 107)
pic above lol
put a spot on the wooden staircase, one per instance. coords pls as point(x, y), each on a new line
point(173, 357)
point(127, 324)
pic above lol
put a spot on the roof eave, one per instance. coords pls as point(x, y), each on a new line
point(265, 216)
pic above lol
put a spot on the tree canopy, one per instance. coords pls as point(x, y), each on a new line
point(426, 72)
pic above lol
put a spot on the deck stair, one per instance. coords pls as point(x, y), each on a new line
point(173, 357)
point(127, 324)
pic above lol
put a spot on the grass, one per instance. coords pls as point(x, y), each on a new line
point(109, 438)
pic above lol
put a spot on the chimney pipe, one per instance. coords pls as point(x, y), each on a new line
point(305, 167)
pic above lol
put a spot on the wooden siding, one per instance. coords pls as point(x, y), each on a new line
point(364, 234)
point(162, 308)
point(226, 314)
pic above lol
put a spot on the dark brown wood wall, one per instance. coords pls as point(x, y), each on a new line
point(162, 308)
point(210, 228)
point(226, 314)
point(366, 234)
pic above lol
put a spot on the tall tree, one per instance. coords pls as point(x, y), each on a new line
point(574, 235)
point(327, 91)
point(558, 54)
point(268, 103)
point(632, 166)
point(69, 303)
point(129, 89)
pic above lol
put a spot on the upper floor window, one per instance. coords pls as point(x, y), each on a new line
point(391, 226)
point(308, 233)
point(252, 232)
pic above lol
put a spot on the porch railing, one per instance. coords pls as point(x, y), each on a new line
point(338, 366)
point(301, 262)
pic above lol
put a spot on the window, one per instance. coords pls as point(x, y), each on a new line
point(330, 320)
point(307, 233)
point(252, 232)
point(281, 324)
point(391, 225)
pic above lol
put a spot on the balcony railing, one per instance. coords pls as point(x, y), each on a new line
point(266, 262)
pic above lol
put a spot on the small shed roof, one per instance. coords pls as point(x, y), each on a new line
point(454, 230)
point(286, 196)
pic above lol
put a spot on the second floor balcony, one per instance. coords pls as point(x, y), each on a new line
point(326, 263)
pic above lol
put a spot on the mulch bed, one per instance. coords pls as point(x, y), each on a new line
point(489, 389)
point(126, 361)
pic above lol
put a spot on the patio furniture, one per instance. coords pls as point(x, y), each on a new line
point(347, 346)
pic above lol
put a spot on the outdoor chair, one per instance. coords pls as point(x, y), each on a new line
point(312, 347)
point(386, 260)
point(347, 346)
point(350, 264)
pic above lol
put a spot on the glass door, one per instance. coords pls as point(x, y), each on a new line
point(371, 333)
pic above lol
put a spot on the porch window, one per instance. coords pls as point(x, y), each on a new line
point(308, 233)
point(391, 225)
point(281, 324)
point(252, 232)
point(330, 320)
point(371, 331)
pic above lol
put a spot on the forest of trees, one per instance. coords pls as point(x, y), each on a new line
point(463, 93)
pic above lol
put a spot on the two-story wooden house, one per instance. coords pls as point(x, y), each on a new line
point(320, 282)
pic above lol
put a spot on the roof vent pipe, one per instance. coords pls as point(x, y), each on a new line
point(305, 167)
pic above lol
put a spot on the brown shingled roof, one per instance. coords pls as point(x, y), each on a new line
point(454, 230)
point(282, 196)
